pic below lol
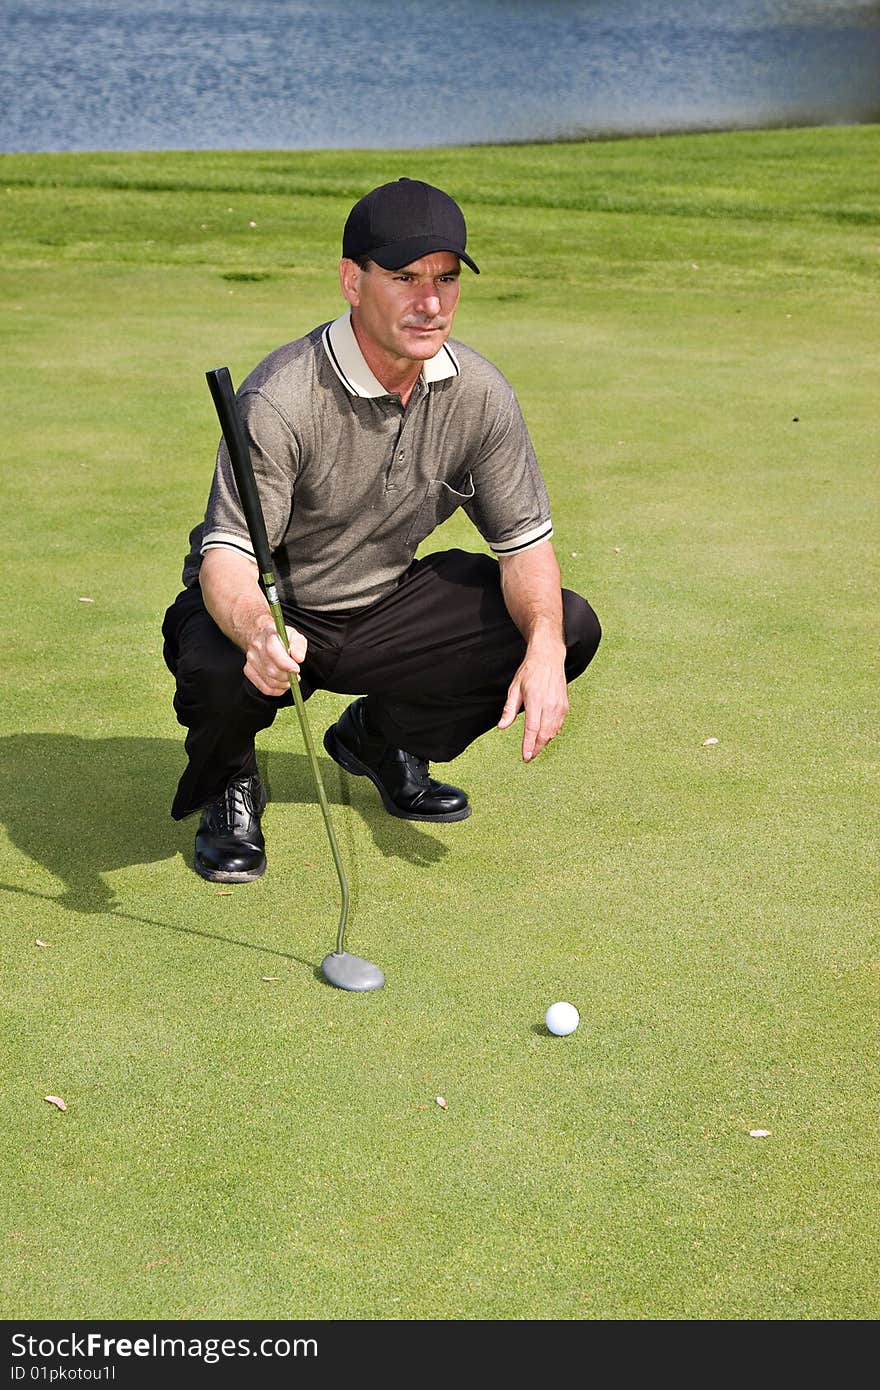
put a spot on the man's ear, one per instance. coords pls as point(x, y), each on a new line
point(350, 281)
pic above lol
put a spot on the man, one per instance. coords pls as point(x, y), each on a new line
point(365, 435)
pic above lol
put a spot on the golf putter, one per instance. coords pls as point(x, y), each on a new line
point(339, 967)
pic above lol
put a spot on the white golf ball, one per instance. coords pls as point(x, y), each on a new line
point(562, 1019)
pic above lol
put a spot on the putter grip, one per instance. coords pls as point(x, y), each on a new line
point(220, 384)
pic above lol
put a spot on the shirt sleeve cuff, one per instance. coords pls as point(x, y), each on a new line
point(524, 541)
point(226, 540)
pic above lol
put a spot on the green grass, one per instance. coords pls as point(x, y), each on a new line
point(690, 324)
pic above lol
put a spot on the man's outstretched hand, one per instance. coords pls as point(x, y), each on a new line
point(540, 689)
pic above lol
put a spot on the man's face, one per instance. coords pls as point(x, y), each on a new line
point(404, 313)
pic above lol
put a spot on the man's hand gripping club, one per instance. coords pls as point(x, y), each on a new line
point(238, 606)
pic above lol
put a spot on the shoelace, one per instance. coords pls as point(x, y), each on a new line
point(238, 801)
point(420, 766)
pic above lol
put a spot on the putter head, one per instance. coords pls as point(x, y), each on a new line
point(351, 972)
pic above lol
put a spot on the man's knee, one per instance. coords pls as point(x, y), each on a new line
point(582, 633)
point(210, 669)
point(211, 683)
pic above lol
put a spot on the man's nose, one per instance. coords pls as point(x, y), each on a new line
point(427, 300)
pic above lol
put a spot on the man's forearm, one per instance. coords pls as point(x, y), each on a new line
point(532, 594)
point(531, 586)
point(239, 607)
point(233, 597)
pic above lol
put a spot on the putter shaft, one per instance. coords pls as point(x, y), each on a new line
point(299, 702)
point(223, 394)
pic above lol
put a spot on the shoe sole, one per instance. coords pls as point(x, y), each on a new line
point(340, 754)
point(230, 875)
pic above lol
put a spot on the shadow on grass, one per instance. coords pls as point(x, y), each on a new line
point(113, 911)
point(82, 807)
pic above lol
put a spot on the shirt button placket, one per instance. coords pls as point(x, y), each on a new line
point(390, 474)
point(398, 458)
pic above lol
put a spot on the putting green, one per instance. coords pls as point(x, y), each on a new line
point(690, 324)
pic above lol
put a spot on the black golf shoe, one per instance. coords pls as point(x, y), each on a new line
point(229, 843)
point(402, 779)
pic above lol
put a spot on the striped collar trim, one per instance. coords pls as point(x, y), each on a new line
point(347, 361)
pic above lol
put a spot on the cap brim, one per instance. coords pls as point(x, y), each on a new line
point(401, 253)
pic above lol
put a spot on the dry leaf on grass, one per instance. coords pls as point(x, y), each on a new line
point(56, 1100)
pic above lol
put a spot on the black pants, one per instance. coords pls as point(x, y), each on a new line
point(435, 657)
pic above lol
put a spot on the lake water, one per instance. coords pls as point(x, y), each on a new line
point(245, 74)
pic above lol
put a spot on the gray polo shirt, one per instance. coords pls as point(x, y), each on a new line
point(351, 481)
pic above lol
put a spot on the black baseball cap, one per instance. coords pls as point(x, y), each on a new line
point(400, 222)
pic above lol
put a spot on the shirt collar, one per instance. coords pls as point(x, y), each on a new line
point(347, 361)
